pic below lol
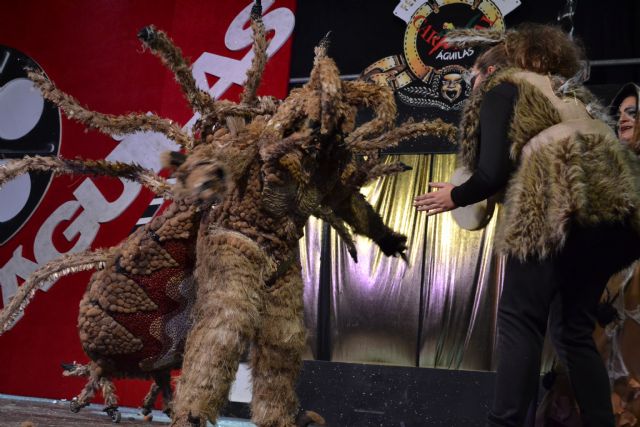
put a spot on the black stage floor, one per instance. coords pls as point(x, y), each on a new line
point(19, 412)
point(345, 394)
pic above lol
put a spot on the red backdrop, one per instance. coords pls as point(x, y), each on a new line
point(89, 49)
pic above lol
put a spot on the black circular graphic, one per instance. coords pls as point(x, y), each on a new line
point(433, 29)
point(29, 126)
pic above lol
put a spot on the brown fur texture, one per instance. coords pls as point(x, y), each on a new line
point(60, 166)
point(171, 55)
point(544, 49)
point(50, 272)
point(276, 357)
point(408, 130)
point(230, 274)
point(532, 114)
point(107, 123)
point(260, 58)
point(588, 177)
point(469, 37)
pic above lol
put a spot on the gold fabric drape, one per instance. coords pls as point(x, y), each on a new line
point(436, 311)
point(461, 287)
point(310, 247)
point(375, 303)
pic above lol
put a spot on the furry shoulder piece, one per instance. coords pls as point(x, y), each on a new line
point(532, 113)
point(570, 166)
point(535, 110)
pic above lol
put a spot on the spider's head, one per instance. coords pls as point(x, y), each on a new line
point(198, 176)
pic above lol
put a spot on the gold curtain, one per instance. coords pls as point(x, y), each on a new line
point(461, 287)
point(439, 310)
point(310, 248)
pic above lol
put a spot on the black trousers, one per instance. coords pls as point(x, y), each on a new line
point(562, 292)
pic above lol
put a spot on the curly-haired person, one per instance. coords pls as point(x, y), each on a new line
point(570, 214)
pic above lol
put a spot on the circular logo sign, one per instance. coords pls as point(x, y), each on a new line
point(29, 126)
point(425, 40)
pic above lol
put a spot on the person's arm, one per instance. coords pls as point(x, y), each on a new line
point(494, 164)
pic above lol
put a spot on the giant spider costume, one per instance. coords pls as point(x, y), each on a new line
point(247, 182)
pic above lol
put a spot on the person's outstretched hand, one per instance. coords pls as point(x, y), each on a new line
point(436, 202)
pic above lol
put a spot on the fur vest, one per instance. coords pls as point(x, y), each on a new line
point(569, 166)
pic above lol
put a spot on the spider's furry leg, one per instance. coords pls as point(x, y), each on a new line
point(326, 214)
point(276, 353)
point(469, 37)
point(108, 393)
point(171, 55)
point(380, 99)
point(324, 81)
point(108, 123)
point(89, 390)
point(405, 131)
point(254, 73)
point(384, 169)
point(59, 166)
point(67, 264)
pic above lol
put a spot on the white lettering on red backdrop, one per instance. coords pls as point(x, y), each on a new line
point(141, 148)
point(238, 37)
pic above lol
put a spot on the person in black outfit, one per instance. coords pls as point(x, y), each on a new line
point(560, 290)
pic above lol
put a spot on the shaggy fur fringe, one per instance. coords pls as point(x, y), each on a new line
point(468, 37)
point(68, 264)
point(229, 273)
point(60, 166)
point(254, 74)
point(108, 123)
point(162, 46)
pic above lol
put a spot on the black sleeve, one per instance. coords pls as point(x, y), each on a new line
point(494, 164)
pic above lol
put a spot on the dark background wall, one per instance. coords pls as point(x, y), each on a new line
point(364, 31)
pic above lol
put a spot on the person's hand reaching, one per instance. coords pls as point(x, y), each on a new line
point(436, 202)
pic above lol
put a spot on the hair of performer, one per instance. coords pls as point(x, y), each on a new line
point(559, 227)
point(487, 63)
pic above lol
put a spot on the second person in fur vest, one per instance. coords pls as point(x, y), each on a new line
point(571, 214)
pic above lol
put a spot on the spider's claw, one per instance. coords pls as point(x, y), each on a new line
point(326, 41)
point(256, 10)
point(148, 34)
point(28, 65)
